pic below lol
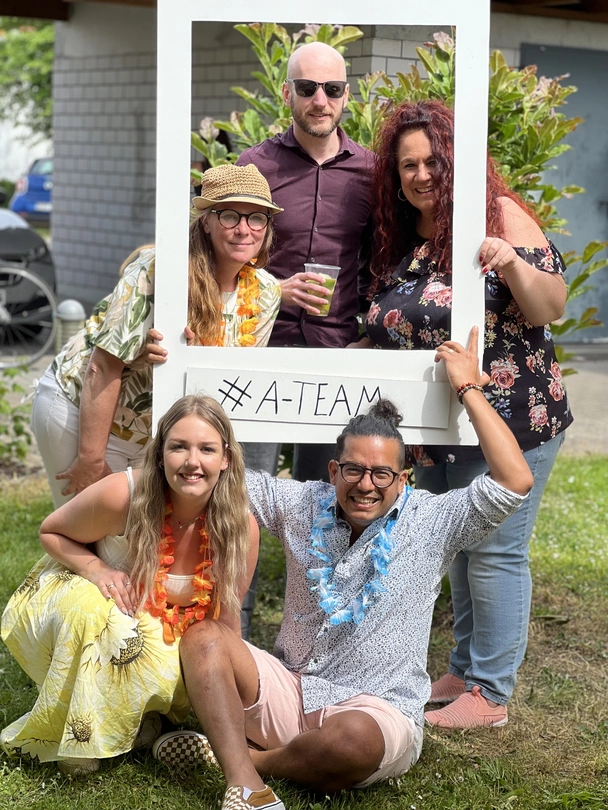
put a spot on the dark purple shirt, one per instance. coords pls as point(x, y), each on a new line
point(327, 208)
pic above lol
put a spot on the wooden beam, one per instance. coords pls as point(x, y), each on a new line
point(557, 13)
point(144, 3)
point(545, 3)
point(42, 9)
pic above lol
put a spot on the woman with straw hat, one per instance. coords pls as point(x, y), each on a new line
point(92, 409)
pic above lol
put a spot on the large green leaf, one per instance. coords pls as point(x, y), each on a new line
point(591, 249)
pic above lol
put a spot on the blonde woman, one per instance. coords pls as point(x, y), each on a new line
point(92, 410)
point(131, 563)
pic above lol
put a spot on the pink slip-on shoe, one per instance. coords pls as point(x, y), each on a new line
point(470, 710)
point(446, 689)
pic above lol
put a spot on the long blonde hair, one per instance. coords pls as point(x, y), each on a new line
point(205, 302)
point(131, 257)
point(227, 516)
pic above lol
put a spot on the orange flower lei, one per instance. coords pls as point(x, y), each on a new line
point(175, 619)
point(247, 304)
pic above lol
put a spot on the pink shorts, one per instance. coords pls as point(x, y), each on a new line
point(278, 716)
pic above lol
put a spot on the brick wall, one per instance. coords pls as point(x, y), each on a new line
point(103, 198)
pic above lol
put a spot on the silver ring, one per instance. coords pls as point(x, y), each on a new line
point(110, 586)
point(450, 351)
point(128, 582)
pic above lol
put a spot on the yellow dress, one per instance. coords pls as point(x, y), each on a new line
point(97, 671)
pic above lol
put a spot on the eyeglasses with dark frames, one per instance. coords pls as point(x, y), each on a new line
point(382, 477)
point(229, 218)
point(306, 88)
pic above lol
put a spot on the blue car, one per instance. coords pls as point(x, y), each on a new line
point(32, 197)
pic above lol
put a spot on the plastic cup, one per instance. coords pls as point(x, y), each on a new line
point(330, 278)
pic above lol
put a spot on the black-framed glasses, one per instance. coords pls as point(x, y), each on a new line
point(382, 477)
point(229, 218)
point(307, 87)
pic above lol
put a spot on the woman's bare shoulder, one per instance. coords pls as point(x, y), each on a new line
point(520, 229)
point(98, 510)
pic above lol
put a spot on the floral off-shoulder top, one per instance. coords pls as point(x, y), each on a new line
point(414, 312)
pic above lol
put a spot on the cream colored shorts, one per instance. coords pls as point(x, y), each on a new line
point(278, 716)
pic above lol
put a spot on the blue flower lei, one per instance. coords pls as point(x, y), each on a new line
point(329, 597)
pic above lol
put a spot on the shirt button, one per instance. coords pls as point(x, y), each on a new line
point(319, 197)
point(316, 230)
point(312, 258)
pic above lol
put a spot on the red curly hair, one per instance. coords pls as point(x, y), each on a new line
point(395, 226)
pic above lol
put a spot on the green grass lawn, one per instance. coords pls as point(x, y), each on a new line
point(552, 755)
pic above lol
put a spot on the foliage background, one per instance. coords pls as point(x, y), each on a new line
point(26, 69)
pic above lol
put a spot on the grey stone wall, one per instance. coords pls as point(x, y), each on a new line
point(105, 138)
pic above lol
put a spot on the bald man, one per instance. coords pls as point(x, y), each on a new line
point(322, 180)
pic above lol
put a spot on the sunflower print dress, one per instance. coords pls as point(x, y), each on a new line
point(97, 671)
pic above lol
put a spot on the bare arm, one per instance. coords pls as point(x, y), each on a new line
point(540, 296)
point(100, 510)
point(507, 465)
point(226, 617)
point(100, 392)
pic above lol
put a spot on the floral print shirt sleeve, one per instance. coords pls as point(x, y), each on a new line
point(526, 387)
point(118, 324)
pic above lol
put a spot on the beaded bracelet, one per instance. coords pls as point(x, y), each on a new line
point(467, 387)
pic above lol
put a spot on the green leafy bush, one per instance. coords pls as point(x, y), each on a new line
point(15, 437)
point(9, 188)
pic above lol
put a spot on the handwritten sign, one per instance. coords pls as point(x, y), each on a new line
point(316, 399)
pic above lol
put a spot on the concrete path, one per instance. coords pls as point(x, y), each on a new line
point(588, 396)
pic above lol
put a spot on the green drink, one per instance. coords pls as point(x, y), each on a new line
point(329, 274)
point(329, 283)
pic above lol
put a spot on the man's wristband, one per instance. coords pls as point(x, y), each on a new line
point(460, 392)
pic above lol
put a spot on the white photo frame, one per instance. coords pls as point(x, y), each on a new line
point(280, 394)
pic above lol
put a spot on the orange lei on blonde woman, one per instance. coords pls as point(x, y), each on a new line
point(176, 619)
point(247, 304)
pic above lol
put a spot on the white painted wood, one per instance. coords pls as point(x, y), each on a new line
point(412, 379)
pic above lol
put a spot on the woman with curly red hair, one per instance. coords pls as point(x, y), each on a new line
point(411, 309)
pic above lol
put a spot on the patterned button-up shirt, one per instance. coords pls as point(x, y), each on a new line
point(385, 655)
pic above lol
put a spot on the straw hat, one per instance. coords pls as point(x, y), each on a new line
point(230, 183)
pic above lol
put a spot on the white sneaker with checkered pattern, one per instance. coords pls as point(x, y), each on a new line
point(179, 748)
point(264, 799)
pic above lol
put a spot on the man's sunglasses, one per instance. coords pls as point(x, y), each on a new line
point(306, 88)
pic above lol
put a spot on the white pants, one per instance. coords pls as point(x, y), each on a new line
point(55, 424)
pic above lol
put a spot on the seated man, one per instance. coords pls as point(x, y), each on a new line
point(340, 704)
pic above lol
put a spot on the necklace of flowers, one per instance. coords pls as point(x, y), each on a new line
point(247, 304)
point(175, 619)
point(330, 598)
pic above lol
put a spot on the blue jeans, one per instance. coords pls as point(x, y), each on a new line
point(490, 580)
